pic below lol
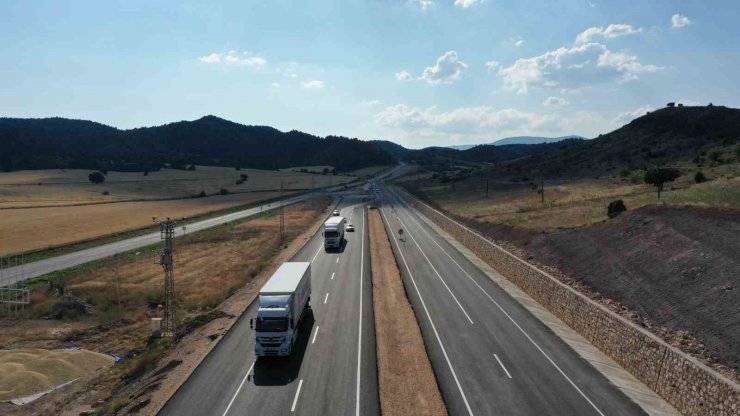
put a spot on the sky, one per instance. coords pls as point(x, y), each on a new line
point(417, 72)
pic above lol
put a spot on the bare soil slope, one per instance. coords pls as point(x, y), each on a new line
point(679, 267)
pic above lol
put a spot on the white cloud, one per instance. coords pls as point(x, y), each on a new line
point(467, 3)
point(463, 120)
point(275, 85)
point(610, 32)
point(628, 66)
point(517, 41)
point(446, 70)
point(572, 68)
point(370, 103)
point(234, 58)
point(422, 4)
point(312, 85)
point(678, 20)
point(555, 102)
point(492, 65)
point(627, 116)
point(404, 76)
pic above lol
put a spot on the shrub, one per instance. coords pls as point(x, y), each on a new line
point(637, 176)
point(714, 154)
point(106, 193)
point(191, 167)
point(699, 177)
point(237, 168)
point(624, 172)
point(615, 208)
point(146, 173)
point(118, 404)
point(96, 177)
point(737, 152)
point(244, 176)
point(223, 191)
point(202, 194)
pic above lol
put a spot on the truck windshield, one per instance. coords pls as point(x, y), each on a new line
point(331, 234)
point(271, 325)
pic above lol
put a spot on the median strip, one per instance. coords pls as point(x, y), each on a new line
point(407, 385)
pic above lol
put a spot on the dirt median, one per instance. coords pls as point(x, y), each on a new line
point(406, 381)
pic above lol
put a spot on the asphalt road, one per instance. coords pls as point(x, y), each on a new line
point(490, 355)
point(333, 369)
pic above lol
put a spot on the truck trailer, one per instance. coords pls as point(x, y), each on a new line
point(282, 304)
point(334, 232)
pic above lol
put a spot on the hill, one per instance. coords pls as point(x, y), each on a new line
point(665, 136)
point(64, 143)
point(393, 149)
point(520, 140)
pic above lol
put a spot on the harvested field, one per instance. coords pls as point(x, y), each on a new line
point(55, 187)
point(29, 371)
point(39, 228)
point(407, 385)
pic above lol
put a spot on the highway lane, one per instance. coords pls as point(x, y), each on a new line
point(333, 369)
point(490, 355)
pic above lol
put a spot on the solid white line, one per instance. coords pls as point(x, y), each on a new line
point(436, 334)
point(359, 331)
point(502, 365)
point(435, 271)
point(314, 334)
point(326, 297)
point(295, 399)
point(317, 253)
point(332, 276)
point(512, 320)
point(239, 388)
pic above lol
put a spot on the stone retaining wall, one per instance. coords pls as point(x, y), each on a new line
point(691, 387)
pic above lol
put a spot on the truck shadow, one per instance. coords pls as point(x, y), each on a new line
point(340, 249)
point(279, 371)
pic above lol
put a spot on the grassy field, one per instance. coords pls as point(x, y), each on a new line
point(124, 291)
point(46, 209)
point(72, 187)
point(572, 204)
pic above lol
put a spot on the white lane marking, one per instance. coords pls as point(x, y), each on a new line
point(314, 334)
point(332, 275)
point(359, 332)
point(295, 399)
point(514, 322)
point(337, 259)
point(317, 253)
point(434, 328)
point(435, 271)
point(326, 297)
point(239, 388)
point(502, 365)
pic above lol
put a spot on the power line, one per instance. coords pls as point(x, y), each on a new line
point(167, 231)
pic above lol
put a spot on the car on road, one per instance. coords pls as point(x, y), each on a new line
point(350, 228)
point(335, 213)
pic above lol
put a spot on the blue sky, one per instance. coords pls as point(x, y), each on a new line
point(419, 72)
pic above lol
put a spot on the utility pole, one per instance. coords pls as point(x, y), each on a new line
point(167, 231)
point(282, 216)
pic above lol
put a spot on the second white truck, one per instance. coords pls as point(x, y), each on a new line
point(334, 232)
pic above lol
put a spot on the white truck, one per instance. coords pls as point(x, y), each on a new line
point(334, 232)
point(282, 304)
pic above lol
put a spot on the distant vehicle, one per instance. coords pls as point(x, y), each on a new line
point(334, 232)
point(335, 213)
point(350, 228)
point(283, 301)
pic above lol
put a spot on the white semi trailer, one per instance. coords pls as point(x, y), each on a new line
point(282, 304)
point(334, 232)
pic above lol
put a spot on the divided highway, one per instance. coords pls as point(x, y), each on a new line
point(490, 355)
point(333, 368)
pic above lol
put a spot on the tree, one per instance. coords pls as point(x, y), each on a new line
point(244, 176)
point(714, 154)
point(96, 177)
point(191, 167)
point(659, 176)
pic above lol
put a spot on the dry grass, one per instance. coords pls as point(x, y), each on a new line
point(56, 187)
point(579, 203)
point(212, 265)
point(406, 381)
point(38, 228)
